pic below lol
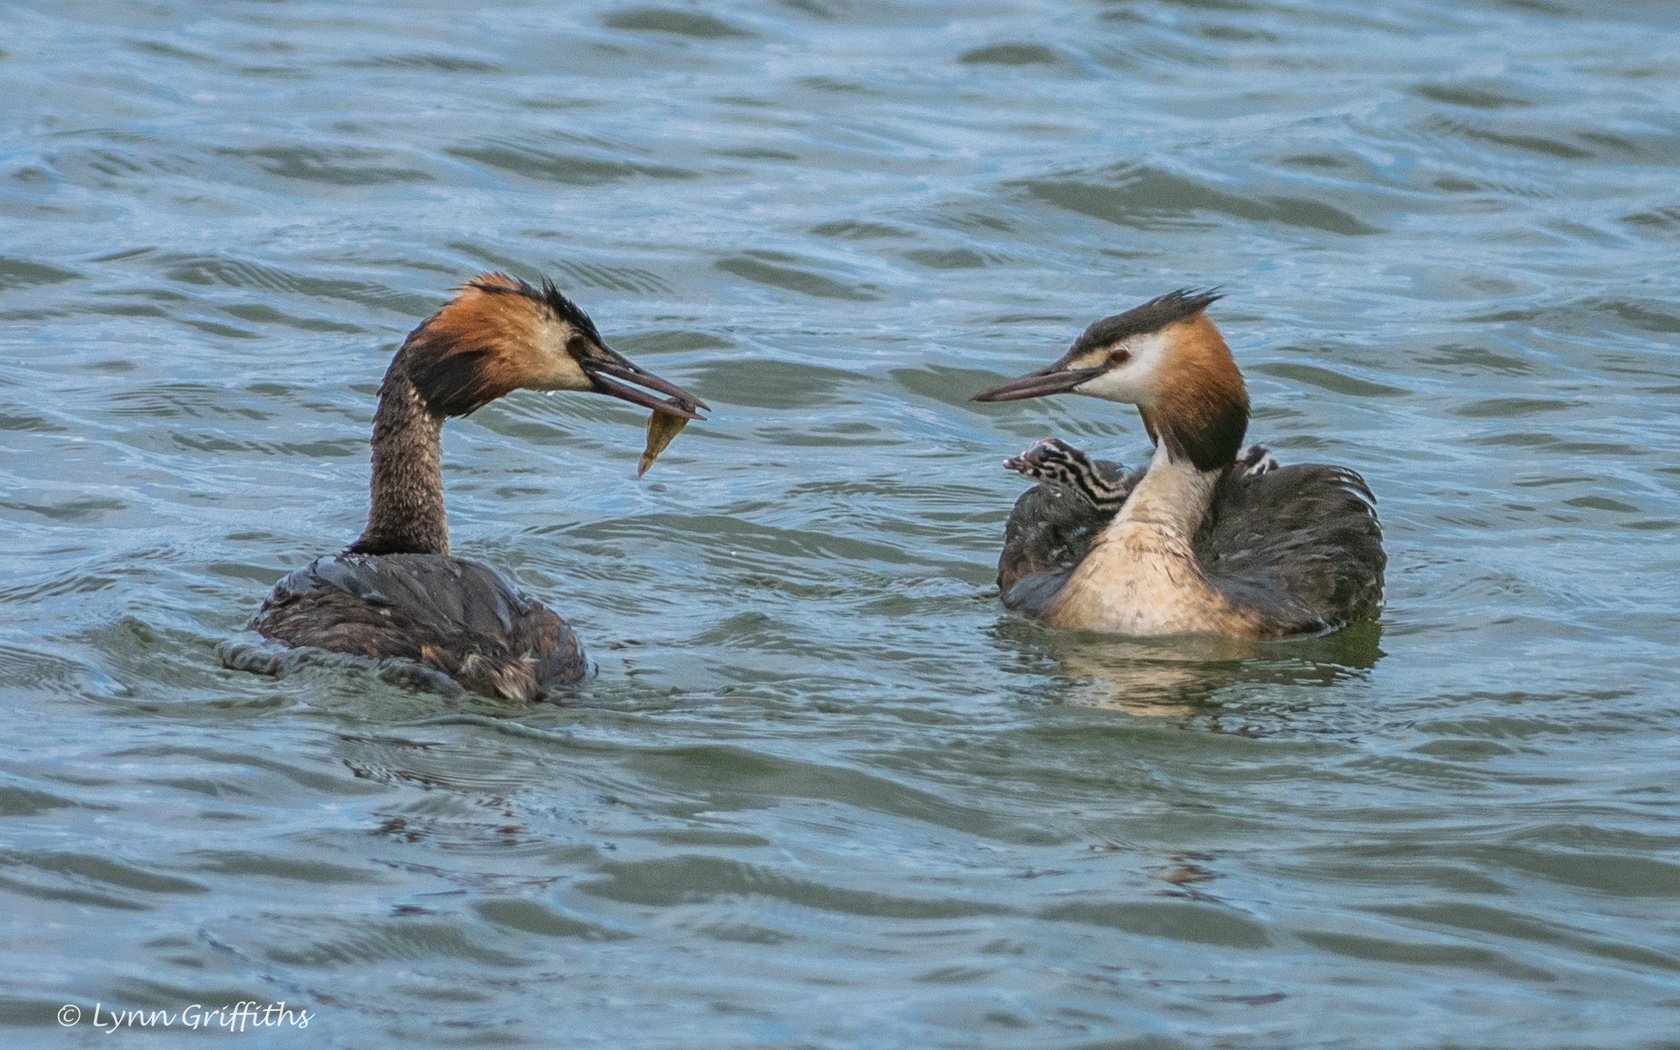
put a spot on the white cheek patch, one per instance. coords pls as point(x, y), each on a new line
point(560, 373)
point(557, 368)
point(1135, 381)
point(1114, 385)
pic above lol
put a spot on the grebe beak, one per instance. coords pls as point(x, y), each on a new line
point(607, 366)
point(1057, 379)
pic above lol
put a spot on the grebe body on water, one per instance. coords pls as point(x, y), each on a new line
point(1210, 538)
point(396, 593)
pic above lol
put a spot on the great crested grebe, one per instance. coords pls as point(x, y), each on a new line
point(396, 592)
point(1212, 538)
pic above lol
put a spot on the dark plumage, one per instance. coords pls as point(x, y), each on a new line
point(1302, 543)
point(456, 617)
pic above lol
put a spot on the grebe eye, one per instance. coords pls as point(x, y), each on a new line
point(1119, 356)
point(577, 346)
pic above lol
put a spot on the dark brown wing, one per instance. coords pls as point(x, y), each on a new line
point(1303, 541)
point(1049, 533)
point(456, 617)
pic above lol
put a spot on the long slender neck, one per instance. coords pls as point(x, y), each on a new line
point(406, 515)
point(1142, 575)
point(1172, 499)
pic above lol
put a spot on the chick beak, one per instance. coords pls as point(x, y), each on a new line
point(607, 367)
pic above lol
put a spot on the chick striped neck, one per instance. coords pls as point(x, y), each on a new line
point(1082, 476)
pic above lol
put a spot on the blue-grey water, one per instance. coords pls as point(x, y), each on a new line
point(823, 791)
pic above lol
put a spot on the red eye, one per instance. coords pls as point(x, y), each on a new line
point(1119, 356)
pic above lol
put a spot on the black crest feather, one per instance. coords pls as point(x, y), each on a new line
point(1152, 316)
point(569, 311)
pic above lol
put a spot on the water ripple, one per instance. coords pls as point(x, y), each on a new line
point(822, 790)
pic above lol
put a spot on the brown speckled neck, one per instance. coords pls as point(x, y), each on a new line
point(407, 514)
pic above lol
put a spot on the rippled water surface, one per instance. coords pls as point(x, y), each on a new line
point(823, 792)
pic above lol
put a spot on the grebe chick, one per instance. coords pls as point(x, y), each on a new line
point(1213, 537)
point(396, 592)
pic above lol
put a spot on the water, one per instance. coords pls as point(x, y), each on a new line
point(823, 792)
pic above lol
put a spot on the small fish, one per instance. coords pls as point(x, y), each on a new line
point(662, 429)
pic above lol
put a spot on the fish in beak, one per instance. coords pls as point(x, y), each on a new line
point(611, 373)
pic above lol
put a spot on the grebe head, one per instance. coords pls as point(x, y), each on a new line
point(500, 334)
point(1170, 361)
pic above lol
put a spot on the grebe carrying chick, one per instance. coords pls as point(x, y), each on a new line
point(1213, 537)
point(396, 592)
